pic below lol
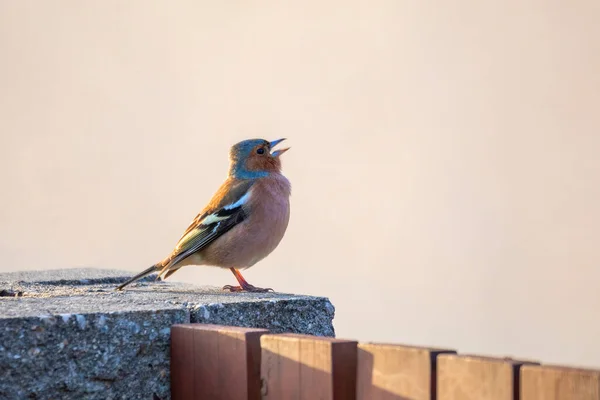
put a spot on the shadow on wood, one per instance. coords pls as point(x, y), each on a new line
point(215, 362)
point(394, 372)
point(307, 367)
point(301, 367)
point(549, 382)
point(233, 363)
point(469, 377)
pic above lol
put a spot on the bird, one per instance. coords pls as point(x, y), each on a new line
point(244, 221)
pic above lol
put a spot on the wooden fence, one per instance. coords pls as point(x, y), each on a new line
point(231, 363)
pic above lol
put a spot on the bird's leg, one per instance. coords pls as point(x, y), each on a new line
point(244, 286)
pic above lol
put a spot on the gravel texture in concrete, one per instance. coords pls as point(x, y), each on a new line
point(68, 334)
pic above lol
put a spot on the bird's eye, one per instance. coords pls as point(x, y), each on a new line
point(260, 151)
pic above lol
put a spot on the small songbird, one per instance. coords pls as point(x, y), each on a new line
point(243, 222)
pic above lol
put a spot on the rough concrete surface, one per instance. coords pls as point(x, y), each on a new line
point(67, 334)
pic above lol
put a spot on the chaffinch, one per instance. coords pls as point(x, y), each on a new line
point(243, 222)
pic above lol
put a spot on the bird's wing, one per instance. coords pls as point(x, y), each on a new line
point(225, 210)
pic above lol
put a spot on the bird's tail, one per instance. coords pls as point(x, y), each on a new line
point(142, 274)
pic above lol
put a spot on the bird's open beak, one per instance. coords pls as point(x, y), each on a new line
point(277, 153)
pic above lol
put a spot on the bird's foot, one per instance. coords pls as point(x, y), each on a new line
point(247, 288)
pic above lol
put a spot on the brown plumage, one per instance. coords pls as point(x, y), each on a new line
point(244, 221)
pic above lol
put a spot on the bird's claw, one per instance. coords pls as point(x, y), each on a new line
point(248, 288)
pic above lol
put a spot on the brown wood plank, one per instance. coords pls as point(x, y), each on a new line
point(303, 367)
point(215, 362)
point(182, 364)
point(253, 363)
point(207, 363)
point(477, 378)
point(344, 357)
point(394, 372)
point(559, 383)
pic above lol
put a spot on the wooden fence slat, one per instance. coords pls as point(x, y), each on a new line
point(182, 362)
point(215, 362)
point(304, 367)
point(392, 372)
point(234, 363)
point(465, 377)
point(559, 383)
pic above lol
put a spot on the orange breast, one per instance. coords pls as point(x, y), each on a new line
point(256, 237)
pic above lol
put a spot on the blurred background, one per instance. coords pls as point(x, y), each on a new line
point(445, 156)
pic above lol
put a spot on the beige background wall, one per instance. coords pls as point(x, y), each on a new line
point(445, 155)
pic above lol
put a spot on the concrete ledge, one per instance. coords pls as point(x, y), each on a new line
point(68, 334)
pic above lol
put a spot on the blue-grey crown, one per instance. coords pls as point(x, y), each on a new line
point(238, 154)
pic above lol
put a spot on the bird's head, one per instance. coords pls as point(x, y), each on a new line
point(255, 158)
